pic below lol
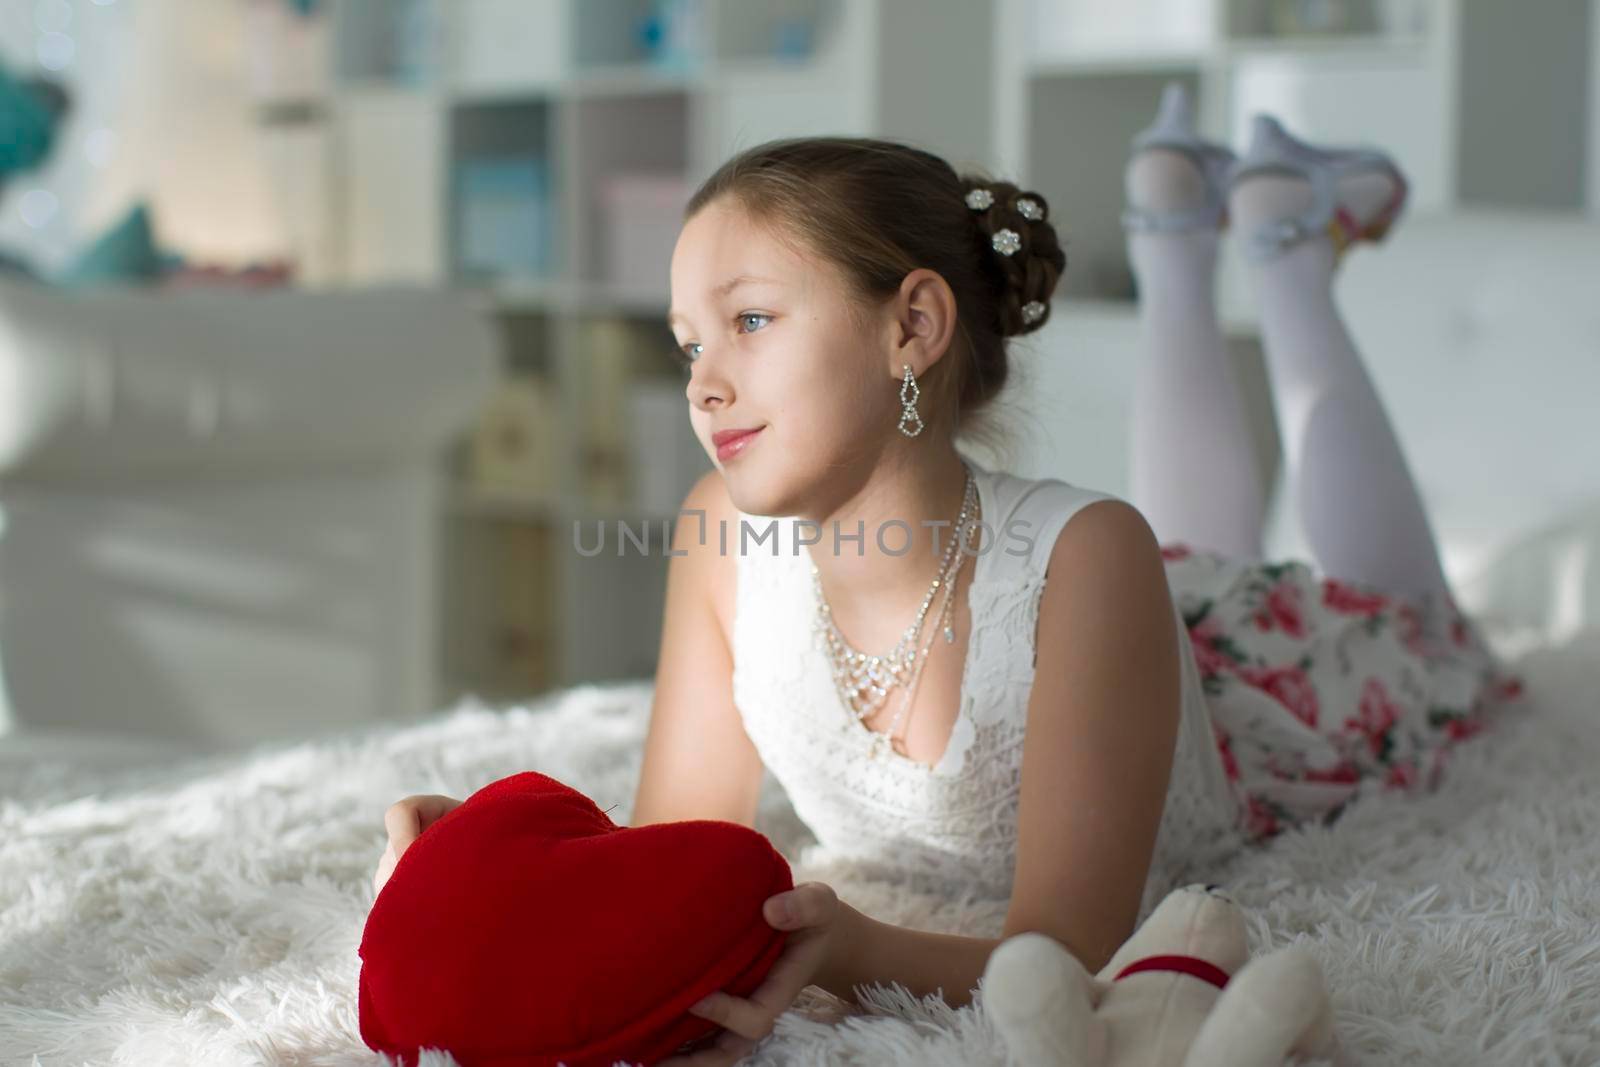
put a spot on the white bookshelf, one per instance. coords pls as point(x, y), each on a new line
point(1447, 85)
point(407, 91)
point(1483, 104)
point(1046, 91)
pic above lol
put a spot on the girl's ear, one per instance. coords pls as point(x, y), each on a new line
point(923, 322)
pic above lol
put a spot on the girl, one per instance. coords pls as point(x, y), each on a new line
point(858, 604)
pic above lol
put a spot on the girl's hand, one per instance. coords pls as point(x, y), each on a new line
point(405, 820)
point(817, 929)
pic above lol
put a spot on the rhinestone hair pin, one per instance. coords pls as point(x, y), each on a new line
point(1008, 241)
point(1005, 241)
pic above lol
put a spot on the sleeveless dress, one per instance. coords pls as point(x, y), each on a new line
point(1296, 690)
point(953, 826)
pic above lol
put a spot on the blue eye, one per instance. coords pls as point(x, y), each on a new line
point(686, 353)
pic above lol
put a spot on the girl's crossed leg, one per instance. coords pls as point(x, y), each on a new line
point(1194, 471)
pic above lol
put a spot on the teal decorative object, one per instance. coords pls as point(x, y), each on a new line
point(126, 253)
point(669, 35)
point(27, 126)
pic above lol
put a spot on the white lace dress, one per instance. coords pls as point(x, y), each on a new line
point(951, 827)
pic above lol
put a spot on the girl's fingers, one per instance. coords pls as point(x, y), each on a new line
point(750, 1017)
point(407, 818)
point(403, 823)
point(386, 864)
point(734, 1046)
point(726, 1049)
point(783, 984)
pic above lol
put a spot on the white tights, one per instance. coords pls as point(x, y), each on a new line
point(1194, 473)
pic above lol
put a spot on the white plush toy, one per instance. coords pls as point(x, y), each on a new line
point(1181, 991)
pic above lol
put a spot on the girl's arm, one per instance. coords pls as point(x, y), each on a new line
point(924, 962)
point(1097, 756)
point(698, 761)
point(1102, 728)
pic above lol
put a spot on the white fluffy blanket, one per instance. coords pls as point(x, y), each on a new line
point(210, 914)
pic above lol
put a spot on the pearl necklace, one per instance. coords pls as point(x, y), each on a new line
point(863, 681)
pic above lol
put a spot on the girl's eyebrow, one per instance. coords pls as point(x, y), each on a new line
point(725, 288)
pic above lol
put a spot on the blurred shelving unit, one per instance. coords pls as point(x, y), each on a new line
point(1445, 84)
point(540, 152)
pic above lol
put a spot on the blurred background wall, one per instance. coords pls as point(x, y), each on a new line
point(328, 321)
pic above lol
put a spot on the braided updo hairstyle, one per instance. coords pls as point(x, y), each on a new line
point(879, 209)
point(1032, 271)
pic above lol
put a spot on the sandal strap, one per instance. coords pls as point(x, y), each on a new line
point(1271, 240)
point(1207, 216)
point(1213, 162)
point(1324, 216)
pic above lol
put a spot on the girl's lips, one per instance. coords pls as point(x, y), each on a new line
point(735, 445)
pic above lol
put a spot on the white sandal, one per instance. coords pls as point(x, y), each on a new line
point(1274, 150)
point(1174, 129)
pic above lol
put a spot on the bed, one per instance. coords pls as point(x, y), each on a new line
point(207, 910)
point(160, 907)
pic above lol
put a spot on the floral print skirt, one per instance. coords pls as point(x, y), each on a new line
point(1319, 687)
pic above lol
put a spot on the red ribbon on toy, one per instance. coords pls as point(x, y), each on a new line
point(1202, 969)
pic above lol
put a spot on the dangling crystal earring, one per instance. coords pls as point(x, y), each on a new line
point(909, 393)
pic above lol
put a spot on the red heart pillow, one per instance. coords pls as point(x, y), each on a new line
point(525, 928)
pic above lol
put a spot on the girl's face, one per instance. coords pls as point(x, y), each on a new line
point(769, 342)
